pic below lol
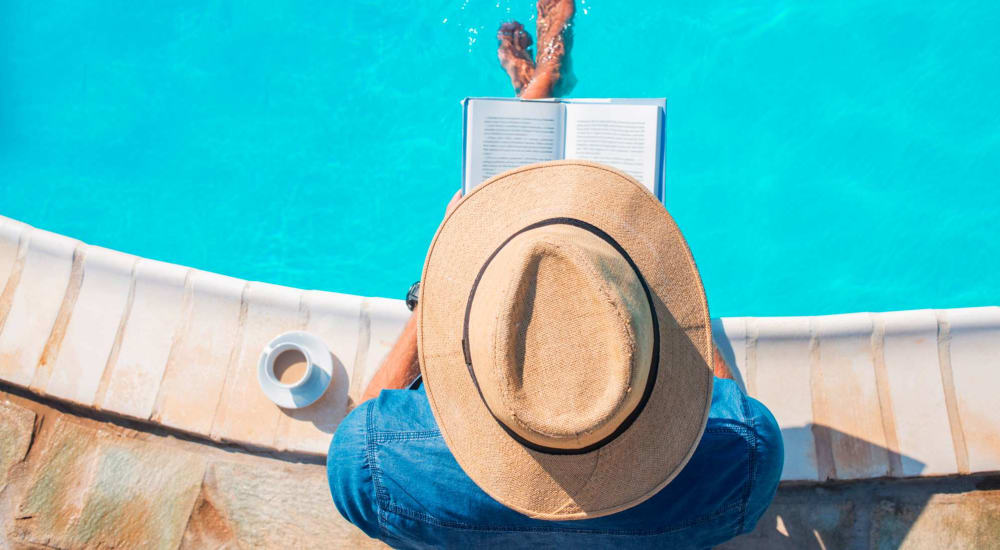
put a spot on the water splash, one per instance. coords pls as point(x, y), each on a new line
point(473, 36)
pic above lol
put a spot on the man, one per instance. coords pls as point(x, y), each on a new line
point(563, 342)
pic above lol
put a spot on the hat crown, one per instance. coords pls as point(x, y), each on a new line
point(560, 337)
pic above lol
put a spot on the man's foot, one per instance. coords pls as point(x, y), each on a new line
point(553, 19)
point(514, 52)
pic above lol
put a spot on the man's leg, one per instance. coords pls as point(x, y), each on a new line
point(553, 18)
point(514, 53)
point(535, 80)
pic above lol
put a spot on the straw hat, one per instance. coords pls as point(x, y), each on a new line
point(564, 340)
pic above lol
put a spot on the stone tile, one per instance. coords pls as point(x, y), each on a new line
point(155, 317)
point(783, 385)
point(16, 427)
point(282, 507)
point(964, 521)
point(76, 368)
point(846, 397)
point(938, 513)
point(208, 528)
point(196, 371)
point(12, 233)
point(803, 521)
point(335, 318)
point(975, 367)
point(910, 350)
point(245, 414)
point(35, 304)
point(92, 488)
point(730, 336)
point(10, 237)
point(386, 319)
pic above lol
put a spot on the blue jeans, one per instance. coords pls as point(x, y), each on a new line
point(392, 475)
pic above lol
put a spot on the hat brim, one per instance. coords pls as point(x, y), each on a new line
point(653, 450)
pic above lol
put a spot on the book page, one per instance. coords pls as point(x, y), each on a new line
point(624, 136)
point(501, 135)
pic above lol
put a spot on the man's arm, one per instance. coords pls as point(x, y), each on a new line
point(719, 365)
point(401, 366)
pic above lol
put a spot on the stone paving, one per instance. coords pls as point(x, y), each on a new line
point(961, 512)
point(72, 479)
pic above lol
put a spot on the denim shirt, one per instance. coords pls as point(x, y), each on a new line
point(392, 475)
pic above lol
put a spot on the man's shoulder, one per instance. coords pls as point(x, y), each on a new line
point(735, 415)
point(409, 411)
point(401, 411)
point(732, 407)
point(388, 466)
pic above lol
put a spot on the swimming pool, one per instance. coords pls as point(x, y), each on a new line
point(820, 158)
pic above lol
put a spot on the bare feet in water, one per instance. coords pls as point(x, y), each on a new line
point(535, 80)
point(515, 54)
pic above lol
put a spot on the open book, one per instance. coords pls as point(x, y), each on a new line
point(502, 133)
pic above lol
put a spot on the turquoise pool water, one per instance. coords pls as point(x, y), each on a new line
point(821, 158)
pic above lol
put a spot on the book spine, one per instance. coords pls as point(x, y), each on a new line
point(465, 144)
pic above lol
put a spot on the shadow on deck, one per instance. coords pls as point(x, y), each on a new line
point(928, 512)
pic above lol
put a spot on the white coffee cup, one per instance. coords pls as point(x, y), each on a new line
point(288, 351)
point(283, 351)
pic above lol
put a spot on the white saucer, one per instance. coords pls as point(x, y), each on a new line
point(311, 386)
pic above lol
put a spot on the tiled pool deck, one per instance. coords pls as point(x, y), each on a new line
point(858, 396)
